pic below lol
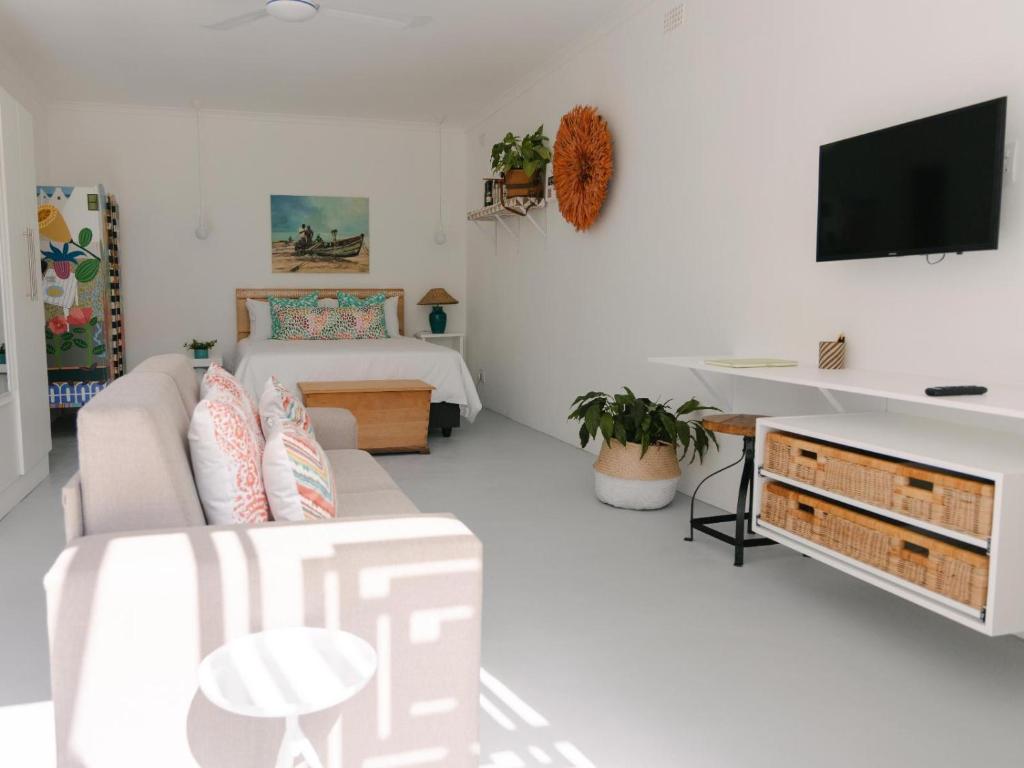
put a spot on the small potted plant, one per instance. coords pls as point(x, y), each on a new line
point(522, 162)
point(644, 441)
point(200, 349)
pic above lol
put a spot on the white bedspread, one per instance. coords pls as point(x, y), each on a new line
point(396, 358)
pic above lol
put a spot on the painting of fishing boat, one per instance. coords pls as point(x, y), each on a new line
point(319, 234)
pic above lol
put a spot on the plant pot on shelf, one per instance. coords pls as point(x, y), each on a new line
point(201, 354)
point(623, 479)
point(518, 184)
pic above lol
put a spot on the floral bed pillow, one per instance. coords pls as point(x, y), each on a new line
point(309, 300)
point(298, 476)
point(280, 408)
point(348, 300)
point(327, 324)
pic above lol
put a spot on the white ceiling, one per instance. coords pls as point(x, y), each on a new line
point(157, 52)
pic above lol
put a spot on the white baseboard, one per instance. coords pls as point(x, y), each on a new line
point(23, 486)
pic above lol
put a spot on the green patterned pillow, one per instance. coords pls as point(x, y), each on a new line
point(328, 323)
point(309, 300)
point(348, 300)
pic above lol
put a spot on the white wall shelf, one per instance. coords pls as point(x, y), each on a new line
point(1006, 401)
point(514, 208)
point(981, 453)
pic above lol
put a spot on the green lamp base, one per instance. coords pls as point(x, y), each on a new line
point(438, 320)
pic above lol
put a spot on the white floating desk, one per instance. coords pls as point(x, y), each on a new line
point(1000, 400)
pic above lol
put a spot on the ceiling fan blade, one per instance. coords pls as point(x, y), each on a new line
point(396, 21)
point(238, 21)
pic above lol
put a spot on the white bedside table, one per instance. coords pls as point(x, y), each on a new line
point(202, 363)
point(456, 341)
point(285, 673)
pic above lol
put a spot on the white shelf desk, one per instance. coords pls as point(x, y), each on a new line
point(1000, 400)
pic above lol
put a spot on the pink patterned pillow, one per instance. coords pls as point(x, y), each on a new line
point(298, 476)
point(279, 408)
point(329, 323)
point(227, 461)
point(219, 384)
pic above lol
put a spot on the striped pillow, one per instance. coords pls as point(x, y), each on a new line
point(298, 477)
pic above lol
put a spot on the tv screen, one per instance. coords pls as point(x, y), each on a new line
point(929, 186)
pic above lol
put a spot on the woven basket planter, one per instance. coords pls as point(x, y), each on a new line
point(623, 479)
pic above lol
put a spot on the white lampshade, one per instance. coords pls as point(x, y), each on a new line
point(292, 10)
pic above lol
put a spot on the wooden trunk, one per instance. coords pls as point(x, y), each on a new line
point(393, 415)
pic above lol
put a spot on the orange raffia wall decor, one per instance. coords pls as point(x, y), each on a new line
point(582, 165)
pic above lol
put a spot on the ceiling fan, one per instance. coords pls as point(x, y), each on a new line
point(304, 10)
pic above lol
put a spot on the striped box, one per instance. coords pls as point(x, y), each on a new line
point(831, 354)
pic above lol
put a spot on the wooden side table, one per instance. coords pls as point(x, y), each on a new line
point(456, 341)
point(392, 414)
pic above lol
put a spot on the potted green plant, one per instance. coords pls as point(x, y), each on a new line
point(522, 160)
point(200, 349)
point(644, 441)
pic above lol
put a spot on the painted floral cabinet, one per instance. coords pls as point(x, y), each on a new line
point(80, 288)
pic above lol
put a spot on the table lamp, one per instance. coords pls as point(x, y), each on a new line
point(437, 297)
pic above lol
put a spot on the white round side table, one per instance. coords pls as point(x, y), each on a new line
point(288, 673)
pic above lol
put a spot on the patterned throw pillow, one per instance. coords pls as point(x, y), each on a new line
point(280, 408)
point(348, 300)
point(309, 300)
point(325, 324)
point(227, 462)
point(219, 384)
point(298, 476)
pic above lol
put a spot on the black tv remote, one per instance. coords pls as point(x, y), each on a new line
point(963, 389)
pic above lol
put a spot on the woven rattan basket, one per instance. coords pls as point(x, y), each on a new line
point(951, 501)
point(624, 462)
point(945, 569)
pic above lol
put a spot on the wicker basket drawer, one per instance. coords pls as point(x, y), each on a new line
point(954, 502)
point(945, 569)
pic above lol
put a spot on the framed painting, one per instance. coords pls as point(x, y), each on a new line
point(319, 234)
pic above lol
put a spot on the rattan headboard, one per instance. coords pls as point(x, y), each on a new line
point(241, 294)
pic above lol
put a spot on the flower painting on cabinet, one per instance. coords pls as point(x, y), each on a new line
point(74, 275)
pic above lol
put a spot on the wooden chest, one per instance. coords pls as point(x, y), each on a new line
point(392, 414)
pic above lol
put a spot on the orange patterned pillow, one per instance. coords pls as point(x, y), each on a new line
point(329, 323)
point(219, 384)
point(227, 461)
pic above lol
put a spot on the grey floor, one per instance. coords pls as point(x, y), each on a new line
point(637, 649)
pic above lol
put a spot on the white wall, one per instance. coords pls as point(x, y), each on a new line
point(176, 287)
point(706, 244)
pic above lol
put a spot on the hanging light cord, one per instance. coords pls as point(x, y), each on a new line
point(199, 166)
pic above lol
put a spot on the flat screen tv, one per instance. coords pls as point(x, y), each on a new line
point(931, 186)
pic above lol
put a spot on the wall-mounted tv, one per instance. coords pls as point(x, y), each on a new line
point(930, 186)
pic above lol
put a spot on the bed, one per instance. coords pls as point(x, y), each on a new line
point(401, 357)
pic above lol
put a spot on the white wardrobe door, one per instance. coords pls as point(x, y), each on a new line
point(26, 346)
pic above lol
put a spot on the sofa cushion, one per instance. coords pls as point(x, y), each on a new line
point(297, 476)
point(227, 457)
point(356, 471)
point(374, 503)
point(181, 372)
point(133, 457)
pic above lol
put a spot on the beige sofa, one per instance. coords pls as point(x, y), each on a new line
point(145, 590)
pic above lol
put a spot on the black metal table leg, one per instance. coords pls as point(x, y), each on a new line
point(746, 487)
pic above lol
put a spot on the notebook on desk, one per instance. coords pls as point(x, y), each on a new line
point(750, 362)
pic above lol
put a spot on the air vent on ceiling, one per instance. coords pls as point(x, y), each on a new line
point(673, 19)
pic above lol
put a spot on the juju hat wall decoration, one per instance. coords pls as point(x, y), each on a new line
point(582, 165)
